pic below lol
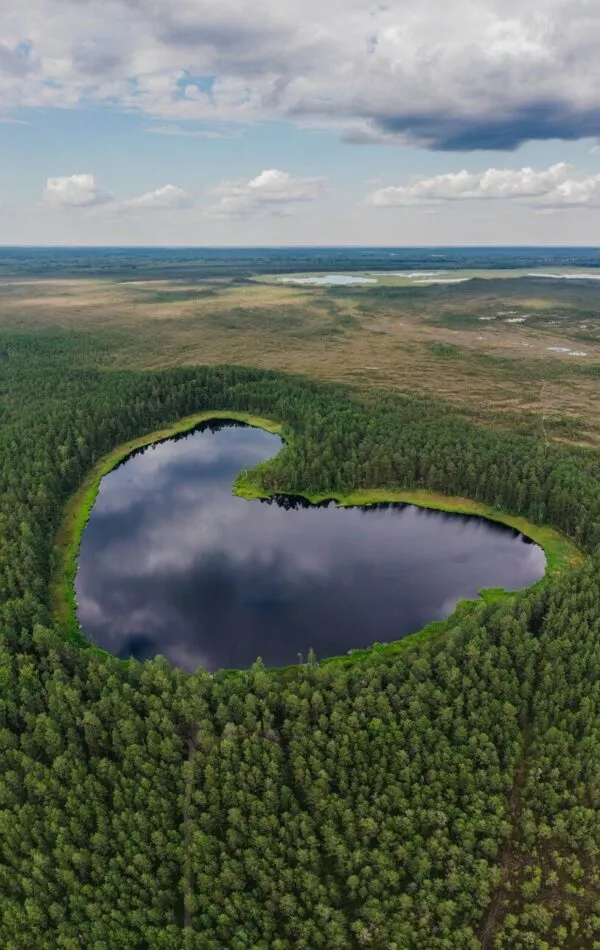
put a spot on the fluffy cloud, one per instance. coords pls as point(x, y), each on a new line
point(81, 191)
point(273, 192)
point(74, 191)
point(558, 186)
point(448, 74)
point(169, 196)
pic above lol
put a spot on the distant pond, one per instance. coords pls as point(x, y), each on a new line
point(172, 562)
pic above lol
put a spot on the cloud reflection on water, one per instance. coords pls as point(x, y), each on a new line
point(171, 562)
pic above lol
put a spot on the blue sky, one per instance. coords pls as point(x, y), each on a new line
point(340, 121)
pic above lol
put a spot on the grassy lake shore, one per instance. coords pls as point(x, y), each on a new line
point(561, 553)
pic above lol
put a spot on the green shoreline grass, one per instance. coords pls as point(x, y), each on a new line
point(561, 553)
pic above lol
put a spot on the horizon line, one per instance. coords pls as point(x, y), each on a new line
point(274, 247)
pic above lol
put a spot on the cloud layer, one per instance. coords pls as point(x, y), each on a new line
point(560, 186)
point(448, 74)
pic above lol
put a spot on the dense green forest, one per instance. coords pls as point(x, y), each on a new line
point(445, 797)
point(131, 263)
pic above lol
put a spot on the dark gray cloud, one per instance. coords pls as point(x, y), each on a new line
point(528, 121)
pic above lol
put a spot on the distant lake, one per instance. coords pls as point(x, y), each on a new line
point(172, 562)
point(339, 280)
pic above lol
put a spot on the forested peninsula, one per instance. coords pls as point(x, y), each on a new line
point(443, 797)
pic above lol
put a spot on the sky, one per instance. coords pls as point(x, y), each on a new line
point(274, 122)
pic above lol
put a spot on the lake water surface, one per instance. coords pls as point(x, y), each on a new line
point(171, 562)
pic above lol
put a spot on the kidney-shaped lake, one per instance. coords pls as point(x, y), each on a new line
point(172, 562)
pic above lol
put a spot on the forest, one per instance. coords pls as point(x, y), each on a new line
point(131, 263)
point(444, 797)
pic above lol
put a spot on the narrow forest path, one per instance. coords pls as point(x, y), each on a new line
point(508, 859)
point(187, 798)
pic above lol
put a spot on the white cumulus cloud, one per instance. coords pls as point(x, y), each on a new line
point(561, 185)
point(273, 192)
point(82, 191)
point(74, 191)
point(169, 196)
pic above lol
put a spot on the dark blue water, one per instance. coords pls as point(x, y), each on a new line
point(171, 562)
